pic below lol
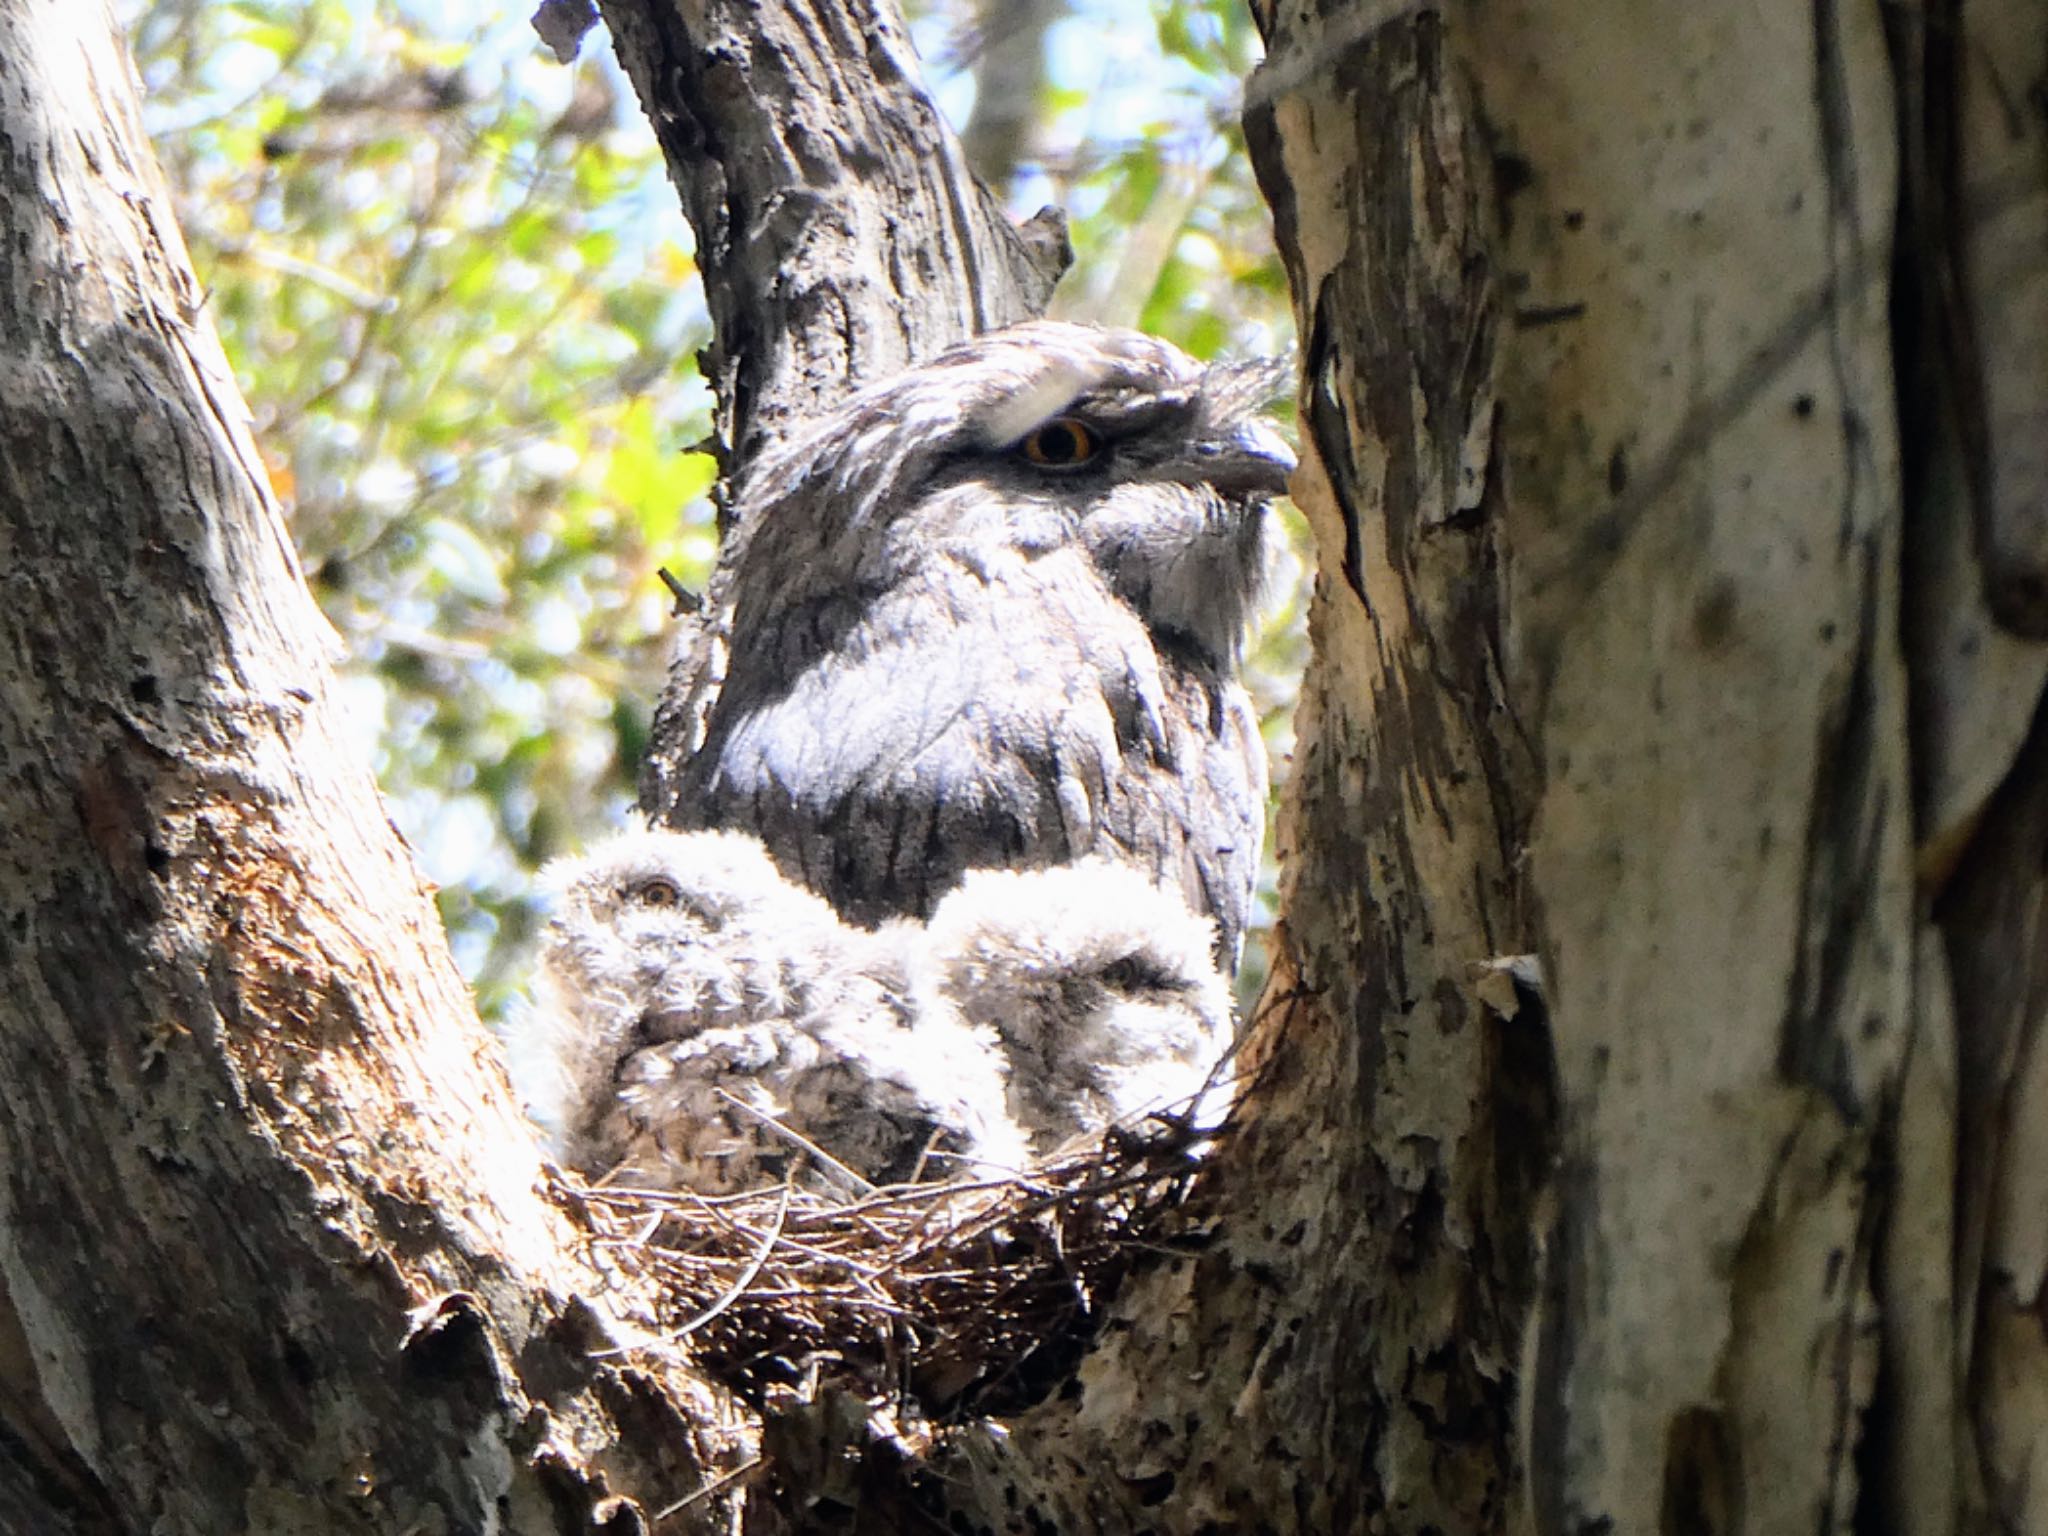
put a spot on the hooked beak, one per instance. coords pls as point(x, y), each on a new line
point(1249, 460)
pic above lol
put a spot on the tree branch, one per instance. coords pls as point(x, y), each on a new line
point(840, 233)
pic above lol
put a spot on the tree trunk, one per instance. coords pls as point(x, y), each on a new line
point(1705, 514)
point(277, 1252)
point(1007, 41)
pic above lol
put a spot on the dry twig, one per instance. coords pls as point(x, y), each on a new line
point(946, 1299)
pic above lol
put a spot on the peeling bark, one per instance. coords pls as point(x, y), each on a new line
point(1342, 1354)
point(1704, 527)
point(1994, 918)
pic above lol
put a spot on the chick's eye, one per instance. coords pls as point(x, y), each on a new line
point(1132, 974)
point(657, 892)
point(1065, 442)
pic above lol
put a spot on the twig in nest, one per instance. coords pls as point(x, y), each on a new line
point(718, 1484)
point(734, 1292)
point(826, 1159)
point(959, 1298)
point(747, 1276)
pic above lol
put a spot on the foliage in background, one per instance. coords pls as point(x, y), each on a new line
point(460, 303)
point(456, 287)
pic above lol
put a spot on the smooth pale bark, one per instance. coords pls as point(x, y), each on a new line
point(1704, 526)
point(277, 1252)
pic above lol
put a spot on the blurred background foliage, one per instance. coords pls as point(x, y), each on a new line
point(458, 293)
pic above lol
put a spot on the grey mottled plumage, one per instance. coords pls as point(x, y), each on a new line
point(1100, 985)
point(962, 639)
point(690, 1000)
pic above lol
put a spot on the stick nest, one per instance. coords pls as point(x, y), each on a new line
point(957, 1298)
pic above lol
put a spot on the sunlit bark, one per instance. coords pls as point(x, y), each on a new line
point(276, 1251)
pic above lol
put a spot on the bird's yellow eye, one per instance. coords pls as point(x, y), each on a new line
point(657, 892)
point(1065, 442)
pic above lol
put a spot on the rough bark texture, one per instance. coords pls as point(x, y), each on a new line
point(1340, 1355)
point(839, 230)
point(277, 1253)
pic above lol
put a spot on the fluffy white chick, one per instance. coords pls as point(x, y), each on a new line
point(1101, 986)
point(693, 1007)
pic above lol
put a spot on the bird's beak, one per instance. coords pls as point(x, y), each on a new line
point(1249, 460)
